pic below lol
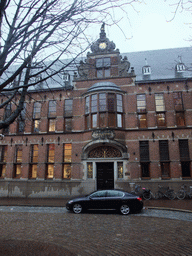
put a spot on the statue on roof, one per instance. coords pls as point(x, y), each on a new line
point(124, 66)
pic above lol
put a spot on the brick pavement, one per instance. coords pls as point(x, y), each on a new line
point(93, 234)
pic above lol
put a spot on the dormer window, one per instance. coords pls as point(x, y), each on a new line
point(103, 67)
point(147, 70)
point(180, 67)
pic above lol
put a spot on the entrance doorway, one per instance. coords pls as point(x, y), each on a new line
point(105, 176)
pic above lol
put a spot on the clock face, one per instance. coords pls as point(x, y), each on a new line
point(102, 46)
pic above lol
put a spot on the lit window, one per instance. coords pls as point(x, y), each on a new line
point(89, 170)
point(34, 161)
point(3, 160)
point(18, 161)
point(52, 123)
point(142, 119)
point(160, 109)
point(120, 170)
point(36, 125)
point(50, 161)
point(67, 158)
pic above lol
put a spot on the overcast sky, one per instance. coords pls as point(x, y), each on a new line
point(150, 28)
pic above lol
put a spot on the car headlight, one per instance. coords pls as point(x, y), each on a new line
point(70, 202)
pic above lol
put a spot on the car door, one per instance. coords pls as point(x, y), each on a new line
point(113, 199)
point(97, 200)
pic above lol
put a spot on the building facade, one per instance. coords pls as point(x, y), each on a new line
point(108, 128)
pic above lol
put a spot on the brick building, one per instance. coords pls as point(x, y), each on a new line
point(118, 121)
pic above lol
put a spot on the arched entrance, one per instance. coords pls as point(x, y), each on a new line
point(105, 168)
point(105, 163)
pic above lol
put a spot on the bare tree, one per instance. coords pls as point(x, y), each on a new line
point(35, 35)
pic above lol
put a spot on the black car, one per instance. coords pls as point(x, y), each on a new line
point(119, 200)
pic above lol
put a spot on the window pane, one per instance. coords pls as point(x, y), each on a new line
point(119, 120)
point(102, 120)
point(87, 108)
point(144, 151)
point(107, 72)
point(50, 171)
point(68, 108)
point(67, 152)
point(89, 170)
point(19, 154)
point(111, 102)
point(51, 153)
point(52, 123)
point(185, 167)
point(52, 108)
point(141, 103)
point(120, 169)
point(164, 150)
point(111, 121)
point(180, 119)
point(99, 73)
point(21, 126)
point(165, 169)
point(18, 169)
point(34, 171)
point(35, 153)
point(159, 102)
point(161, 119)
point(119, 103)
point(67, 171)
point(106, 62)
point(145, 170)
point(87, 122)
point(3, 153)
point(94, 103)
point(68, 124)
point(37, 110)
point(99, 63)
point(142, 121)
point(94, 120)
point(36, 124)
point(102, 102)
point(178, 102)
point(3, 170)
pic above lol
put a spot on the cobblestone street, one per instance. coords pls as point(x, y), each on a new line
point(54, 231)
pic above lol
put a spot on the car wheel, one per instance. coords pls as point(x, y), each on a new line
point(124, 209)
point(77, 208)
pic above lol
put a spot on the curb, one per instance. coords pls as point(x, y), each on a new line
point(167, 209)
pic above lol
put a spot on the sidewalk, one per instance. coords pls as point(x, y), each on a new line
point(61, 202)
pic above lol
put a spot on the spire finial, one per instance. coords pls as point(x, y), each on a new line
point(103, 34)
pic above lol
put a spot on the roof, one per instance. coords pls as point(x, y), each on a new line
point(162, 63)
